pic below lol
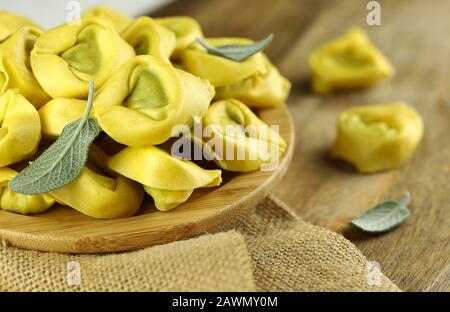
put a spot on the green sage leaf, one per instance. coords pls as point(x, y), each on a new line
point(63, 161)
point(384, 217)
point(237, 53)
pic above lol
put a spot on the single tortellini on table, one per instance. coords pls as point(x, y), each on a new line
point(260, 91)
point(10, 22)
point(168, 180)
point(66, 58)
point(99, 194)
point(20, 128)
point(237, 140)
point(19, 203)
point(378, 137)
point(142, 102)
point(222, 72)
point(186, 30)
point(348, 62)
point(15, 71)
point(149, 38)
point(118, 20)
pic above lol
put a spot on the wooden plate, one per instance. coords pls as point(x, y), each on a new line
point(63, 229)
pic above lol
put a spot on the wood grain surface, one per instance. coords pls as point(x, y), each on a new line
point(62, 229)
point(415, 36)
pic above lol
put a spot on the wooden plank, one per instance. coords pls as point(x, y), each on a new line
point(414, 34)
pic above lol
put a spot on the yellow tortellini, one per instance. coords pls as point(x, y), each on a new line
point(96, 194)
point(149, 38)
point(378, 137)
point(20, 128)
point(168, 180)
point(145, 98)
point(59, 112)
point(350, 61)
point(66, 58)
point(260, 91)
point(6, 175)
point(15, 71)
point(218, 70)
point(186, 30)
point(240, 141)
point(10, 22)
point(139, 105)
point(19, 203)
point(118, 20)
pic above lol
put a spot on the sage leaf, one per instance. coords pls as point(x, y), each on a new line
point(237, 53)
point(384, 217)
point(63, 161)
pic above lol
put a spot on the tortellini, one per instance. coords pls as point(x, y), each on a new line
point(10, 22)
point(378, 137)
point(15, 71)
point(168, 180)
point(118, 20)
point(218, 70)
point(240, 141)
point(58, 113)
point(186, 30)
point(260, 91)
point(255, 81)
point(149, 38)
point(66, 58)
point(350, 61)
point(141, 103)
point(19, 203)
point(20, 128)
point(98, 195)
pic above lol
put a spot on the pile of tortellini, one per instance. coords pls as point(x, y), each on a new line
point(151, 75)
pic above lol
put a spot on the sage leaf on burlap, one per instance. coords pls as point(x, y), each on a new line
point(63, 161)
point(384, 217)
point(236, 52)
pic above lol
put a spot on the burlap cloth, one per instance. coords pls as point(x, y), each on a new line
point(266, 249)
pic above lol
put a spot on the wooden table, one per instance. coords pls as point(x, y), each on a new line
point(415, 36)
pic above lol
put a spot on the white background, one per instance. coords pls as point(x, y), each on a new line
point(50, 13)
